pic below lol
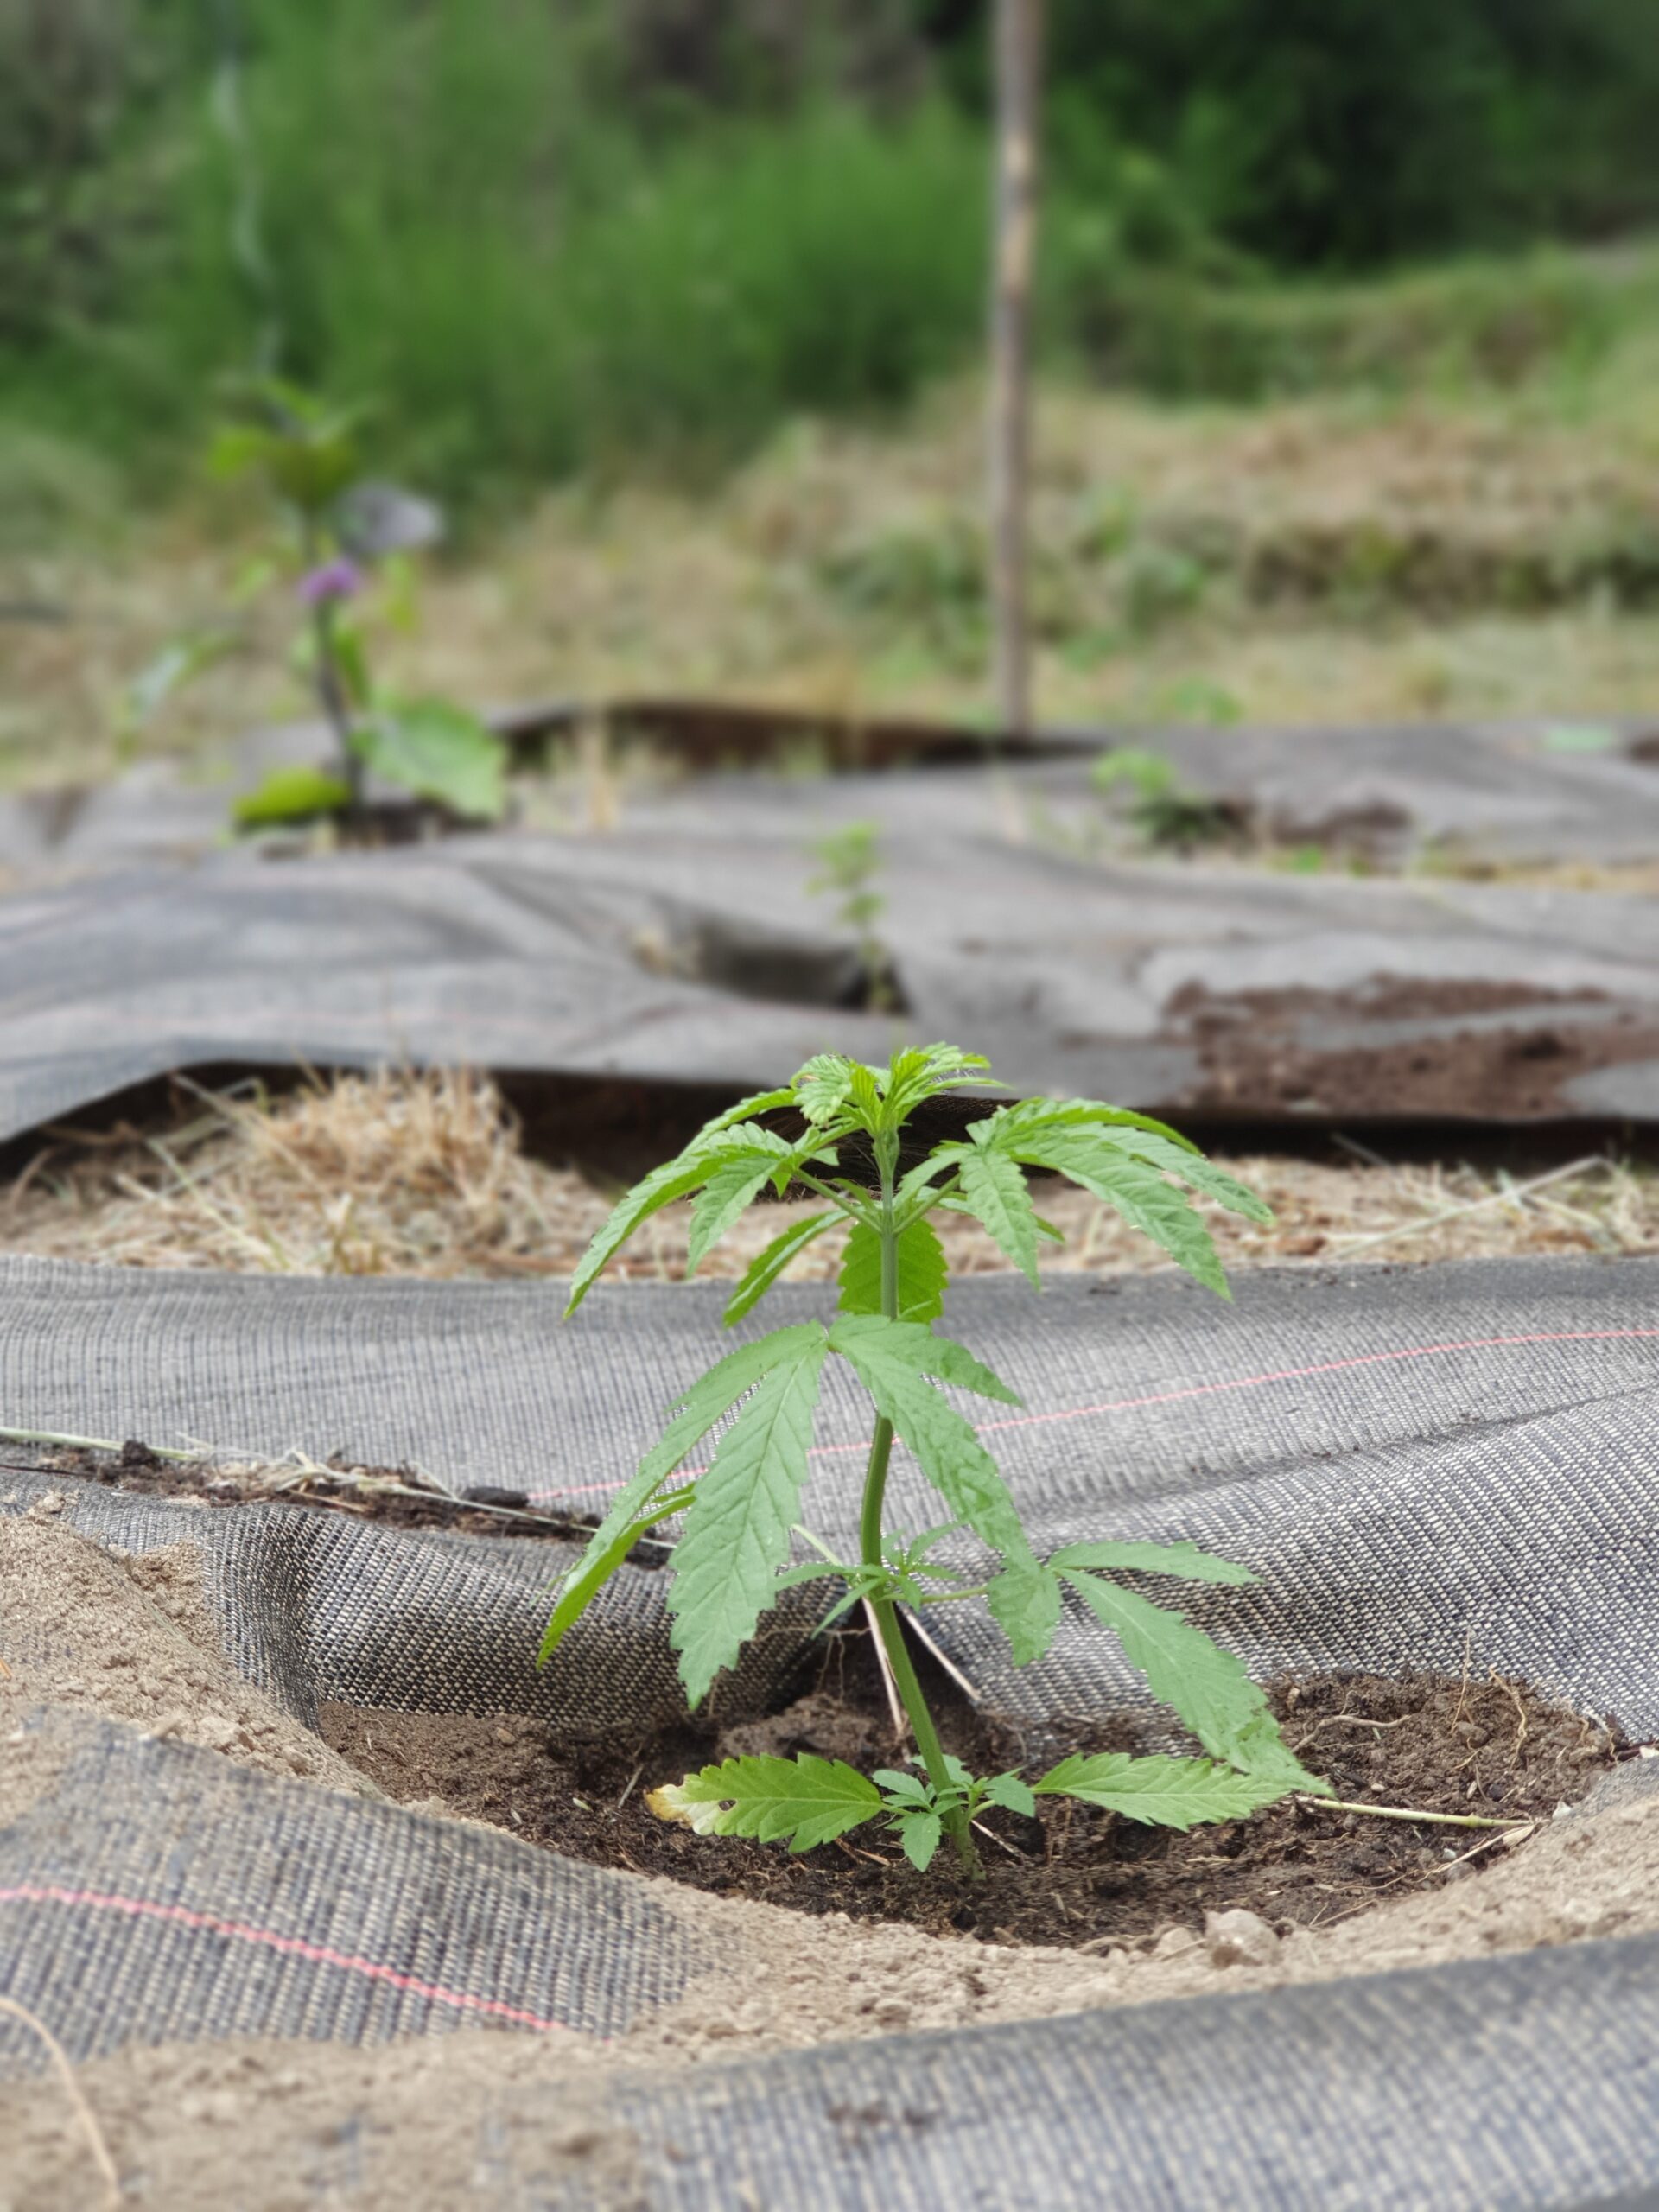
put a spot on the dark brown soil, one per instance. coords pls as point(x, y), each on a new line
point(399, 1497)
point(1261, 1052)
point(1073, 1876)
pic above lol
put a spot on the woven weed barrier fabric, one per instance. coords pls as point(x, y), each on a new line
point(1501, 792)
point(685, 949)
point(1420, 1465)
point(1518, 2083)
point(1478, 1440)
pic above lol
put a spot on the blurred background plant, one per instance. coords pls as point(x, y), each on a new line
point(1361, 298)
point(848, 862)
point(344, 553)
point(1165, 813)
point(542, 234)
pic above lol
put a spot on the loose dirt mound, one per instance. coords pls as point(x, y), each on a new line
point(132, 1638)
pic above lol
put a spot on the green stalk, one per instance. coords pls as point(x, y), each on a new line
point(882, 1610)
point(331, 686)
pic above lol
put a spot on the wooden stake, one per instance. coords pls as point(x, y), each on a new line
point(1019, 64)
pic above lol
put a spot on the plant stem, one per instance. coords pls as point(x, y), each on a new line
point(331, 687)
point(882, 1610)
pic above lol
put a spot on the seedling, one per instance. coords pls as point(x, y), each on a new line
point(1164, 810)
point(847, 860)
point(733, 1557)
point(342, 548)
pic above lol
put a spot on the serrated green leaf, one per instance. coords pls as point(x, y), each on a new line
point(696, 1409)
point(1026, 1115)
point(922, 1072)
point(821, 1087)
point(1207, 1689)
point(1183, 1559)
point(711, 1150)
point(676, 1178)
point(921, 1272)
point(1166, 1793)
point(759, 1102)
point(737, 1530)
point(767, 1266)
point(805, 1801)
point(693, 1414)
point(1194, 1170)
point(1138, 1191)
point(1011, 1794)
point(894, 1360)
point(736, 1179)
point(896, 1783)
point(919, 1837)
point(909, 1346)
point(994, 1188)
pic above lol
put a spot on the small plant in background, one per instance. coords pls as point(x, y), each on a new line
point(847, 860)
point(733, 1557)
point(343, 552)
point(1164, 810)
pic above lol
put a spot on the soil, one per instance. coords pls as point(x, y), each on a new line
point(1260, 1053)
point(131, 1638)
point(1072, 1877)
point(268, 2125)
point(399, 1497)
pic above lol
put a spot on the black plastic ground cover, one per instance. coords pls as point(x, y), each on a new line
point(1421, 1465)
point(685, 949)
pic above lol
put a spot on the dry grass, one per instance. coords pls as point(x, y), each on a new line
point(840, 572)
point(402, 1175)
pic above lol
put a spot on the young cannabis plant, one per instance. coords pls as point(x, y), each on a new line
point(733, 1557)
point(847, 860)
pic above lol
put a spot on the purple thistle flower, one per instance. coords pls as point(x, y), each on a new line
point(337, 579)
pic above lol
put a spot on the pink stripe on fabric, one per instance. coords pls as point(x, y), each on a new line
point(1212, 1390)
point(320, 1953)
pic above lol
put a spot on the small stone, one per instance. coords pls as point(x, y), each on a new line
point(1238, 1938)
point(892, 2012)
point(215, 1731)
point(1173, 1943)
point(171, 1724)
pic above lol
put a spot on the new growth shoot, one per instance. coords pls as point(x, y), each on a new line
point(736, 1554)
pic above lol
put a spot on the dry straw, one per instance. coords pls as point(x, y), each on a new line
point(406, 1173)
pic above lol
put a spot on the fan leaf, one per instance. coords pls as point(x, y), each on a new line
point(803, 1801)
point(1166, 1793)
point(737, 1528)
point(921, 1272)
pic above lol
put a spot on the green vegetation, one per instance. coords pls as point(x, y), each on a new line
point(539, 238)
point(1164, 813)
point(848, 860)
point(731, 1561)
point(335, 528)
